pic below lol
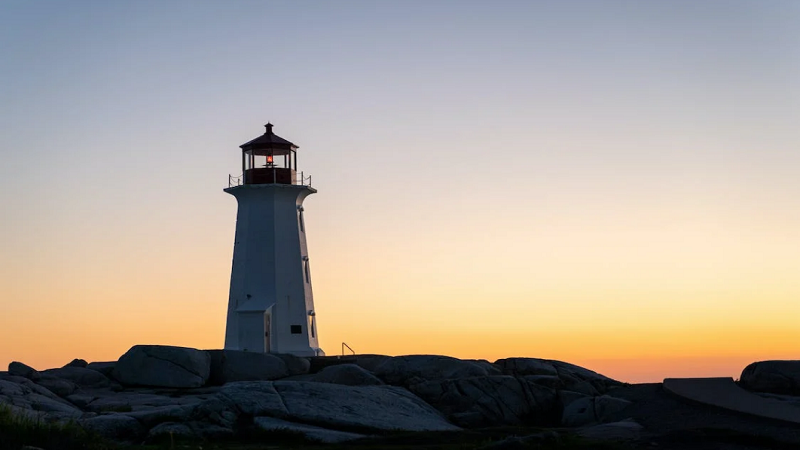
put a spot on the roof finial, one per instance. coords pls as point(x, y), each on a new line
point(269, 128)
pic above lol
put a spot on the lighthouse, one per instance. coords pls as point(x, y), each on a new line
point(271, 304)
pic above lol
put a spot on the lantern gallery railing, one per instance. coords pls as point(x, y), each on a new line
point(234, 181)
point(297, 179)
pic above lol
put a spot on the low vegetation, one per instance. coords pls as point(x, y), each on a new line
point(18, 431)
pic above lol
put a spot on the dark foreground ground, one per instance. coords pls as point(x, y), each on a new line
point(669, 423)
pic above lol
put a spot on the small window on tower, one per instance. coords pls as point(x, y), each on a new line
point(297, 329)
point(300, 218)
point(311, 325)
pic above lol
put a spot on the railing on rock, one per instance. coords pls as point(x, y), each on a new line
point(344, 345)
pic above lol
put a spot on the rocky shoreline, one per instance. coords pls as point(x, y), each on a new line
point(153, 392)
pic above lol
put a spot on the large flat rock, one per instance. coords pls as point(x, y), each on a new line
point(233, 365)
point(724, 393)
point(347, 408)
point(163, 366)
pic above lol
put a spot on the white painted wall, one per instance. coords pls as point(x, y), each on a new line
point(269, 272)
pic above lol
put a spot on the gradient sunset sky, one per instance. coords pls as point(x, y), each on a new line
point(611, 183)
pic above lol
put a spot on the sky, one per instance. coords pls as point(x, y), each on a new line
point(609, 183)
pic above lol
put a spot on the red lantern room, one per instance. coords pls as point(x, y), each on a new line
point(269, 159)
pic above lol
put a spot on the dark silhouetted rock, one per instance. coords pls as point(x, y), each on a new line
point(163, 366)
point(329, 405)
point(491, 400)
point(572, 377)
point(150, 417)
point(28, 398)
point(491, 369)
point(347, 374)
point(549, 381)
point(105, 367)
point(526, 366)
point(371, 362)
point(114, 426)
point(232, 365)
point(223, 410)
point(58, 386)
point(359, 407)
point(592, 410)
point(296, 365)
point(77, 363)
point(81, 376)
point(21, 370)
point(41, 390)
point(137, 401)
point(777, 377)
point(413, 369)
point(80, 400)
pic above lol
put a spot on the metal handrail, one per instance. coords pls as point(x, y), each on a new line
point(348, 347)
point(238, 180)
point(234, 181)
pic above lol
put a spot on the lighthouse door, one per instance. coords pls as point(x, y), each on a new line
point(267, 330)
point(251, 331)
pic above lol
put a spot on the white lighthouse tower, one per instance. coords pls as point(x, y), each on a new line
point(271, 305)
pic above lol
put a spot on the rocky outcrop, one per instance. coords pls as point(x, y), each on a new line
point(77, 363)
point(526, 366)
point(359, 407)
point(104, 367)
point(347, 408)
point(79, 376)
point(570, 376)
point(155, 415)
point(414, 369)
point(163, 366)
point(62, 388)
point(490, 401)
point(777, 377)
point(158, 392)
point(347, 374)
point(19, 369)
point(36, 401)
point(232, 365)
